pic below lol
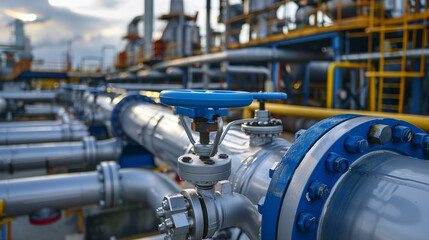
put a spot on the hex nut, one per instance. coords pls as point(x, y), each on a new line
point(380, 134)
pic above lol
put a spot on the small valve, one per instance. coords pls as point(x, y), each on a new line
point(263, 129)
point(206, 109)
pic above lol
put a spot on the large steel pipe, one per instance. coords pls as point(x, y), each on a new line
point(245, 55)
point(32, 124)
point(383, 196)
point(42, 134)
point(44, 96)
point(108, 187)
point(86, 153)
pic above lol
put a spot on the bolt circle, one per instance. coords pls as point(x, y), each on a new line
point(356, 144)
point(307, 222)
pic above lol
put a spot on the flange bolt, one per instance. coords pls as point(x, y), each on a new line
point(318, 191)
point(380, 134)
point(421, 140)
point(337, 164)
point(356, 144)
point(402, 134)
point(307, 222)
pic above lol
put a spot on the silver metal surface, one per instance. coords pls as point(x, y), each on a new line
point(86, 153)
point(383, 196)
point(3, 105)
point(40, 96)
point(23, 135)
point(39, 109)
point(31, 124)
point(27, 195)
point(248, 55)
point(301, 175)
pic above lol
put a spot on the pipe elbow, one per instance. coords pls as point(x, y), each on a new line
point(145, 185)
point(238, 211)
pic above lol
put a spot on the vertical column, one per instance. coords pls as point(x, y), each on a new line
point(336, 46)
point(275, 75)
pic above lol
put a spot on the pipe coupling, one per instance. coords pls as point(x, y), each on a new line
point(199, 214)
point(109, 177)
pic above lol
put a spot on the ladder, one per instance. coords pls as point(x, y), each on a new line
point(391, 84)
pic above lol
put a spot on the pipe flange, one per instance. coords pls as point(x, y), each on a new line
point(124, 101)
point(301, 182)
point(204, 171)
point(90, 147)
point(260, 135)
point(110, 177)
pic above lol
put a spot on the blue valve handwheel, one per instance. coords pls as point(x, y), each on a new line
point(205, 98)
point(269, 96)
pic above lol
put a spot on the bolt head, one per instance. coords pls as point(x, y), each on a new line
point(307, 222)
point(162, 228)
point(356, 144)
point(165, 205)
point(160, 212)
point(186, 159)
point(318, 191)
point(223, 155)
point(420, 140)
point(337, 164)
point(380, 134)
point(402, 134)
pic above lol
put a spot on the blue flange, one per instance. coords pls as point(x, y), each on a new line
point(322, 173)
point(115, 119)
point(204, 103)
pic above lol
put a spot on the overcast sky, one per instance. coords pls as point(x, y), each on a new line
point(89, 24)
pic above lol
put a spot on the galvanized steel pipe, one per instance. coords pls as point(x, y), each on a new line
point(86, 153)
point(25, 135)
point(27, 195)
point(245, 55)
point(39, 96)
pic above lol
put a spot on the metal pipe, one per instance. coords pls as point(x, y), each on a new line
point(86, 153)
point(29, 95)
point(142, 185)
point(31, 124)
point(3, 105)
point(321, 113)
point(246, 69)
point(237, 211)
point(245, 55)
point(412, 53)
point(42, 134)
point(382, 196)
point(32, 110)
point(148, 28)
point(27, 195)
